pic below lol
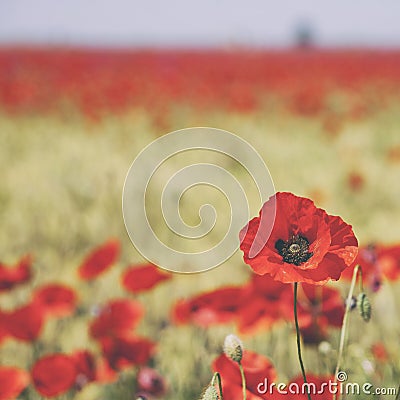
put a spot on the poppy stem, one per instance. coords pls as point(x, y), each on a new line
point(296, 322)
point(357, 270)
point(217, 377)
point(243, 380)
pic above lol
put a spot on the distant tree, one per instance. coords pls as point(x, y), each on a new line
point(304, 36)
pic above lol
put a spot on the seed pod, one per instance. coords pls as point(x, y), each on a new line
point(364, 306)
point(233, 348)
point(210, 394)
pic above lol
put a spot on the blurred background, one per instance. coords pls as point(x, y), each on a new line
point(85, 86)
point(211, 23)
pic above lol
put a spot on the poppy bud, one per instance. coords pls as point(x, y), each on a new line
point(233, 348)
point(364, 306)
point(210, 394)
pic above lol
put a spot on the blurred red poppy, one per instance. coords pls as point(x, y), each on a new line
point(355, 181)
point(99, 260)
point(15, 275)
point(318, 309)
point(55, 299)
point(54, 374)
point(257, 369)
point(122, 352)
point(317, 386)
point(3, 330)
point(151, 382)
point(217, 307)
point(378, 262)
point(143, 277)
point(104, 372)
point(265, 302)
point(85, 367)
point(305, 245)
point(380, 352)
point(24, 323)
point(117, 318)
point(12, 382)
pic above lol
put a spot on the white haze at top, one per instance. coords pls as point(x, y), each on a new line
point(189, 23)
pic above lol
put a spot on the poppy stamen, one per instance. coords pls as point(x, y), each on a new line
point(295, 250)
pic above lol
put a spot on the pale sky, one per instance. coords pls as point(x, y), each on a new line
point(199, 22)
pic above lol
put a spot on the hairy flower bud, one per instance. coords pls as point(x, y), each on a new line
point(364, 306)
point(233, 348)
point(210, 393)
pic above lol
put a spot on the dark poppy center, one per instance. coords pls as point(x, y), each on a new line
point(295, 250)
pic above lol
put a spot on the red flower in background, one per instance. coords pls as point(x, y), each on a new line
point(54, 374)
point(313, 381)
point(377, 262)
point(122, 352)
point(3, 330)
point(15, 275)
point(99, 260)
point(24, 323)
point(149, 381)
point(319, 308)
point(217, 307)
point(256, 368)
point(85, 368)
point(265, 302)
point(356, 181)
point(104, 372)
point(12, 382)
point(380, 352)
point(143, 277)
point(55, 299)
point(305, 245)
point(117, 318)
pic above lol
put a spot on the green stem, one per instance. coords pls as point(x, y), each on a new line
point(217, 377)
point(243, 380)
point(299, 339)
point(357, 270)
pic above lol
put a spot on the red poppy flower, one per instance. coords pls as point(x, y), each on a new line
point(380, 353)
point(265, 302)
point(151, 382)
point(85, 366)
point(316, 384)
point(389, 262)
point(143, 277)
point(378, 262)
point(3, 330)
point(117, 318)
point(24, 323)
point(257, 369)
point(305, 245)
point(217, 307)
point(318, 309)
point(99, 260)
point(122, 352)
point(54, 374)
point(18, 274)
point(12, 382)
point(104, 372)
point(355, 181)
point(55, 299)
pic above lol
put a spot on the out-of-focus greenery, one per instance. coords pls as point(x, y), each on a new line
point(60, 195)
